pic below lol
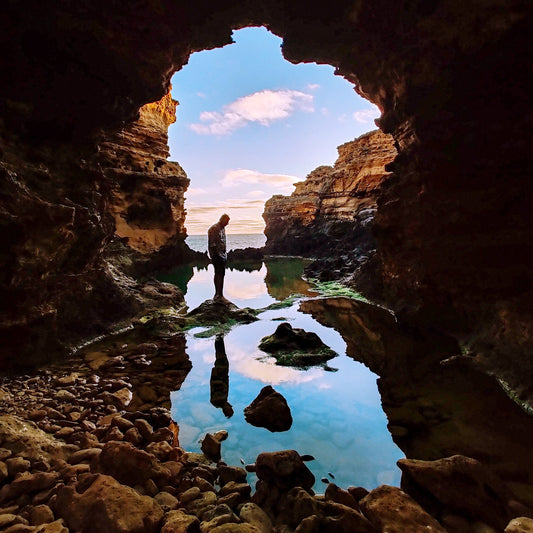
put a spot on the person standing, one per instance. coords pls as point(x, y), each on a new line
point(217, 251)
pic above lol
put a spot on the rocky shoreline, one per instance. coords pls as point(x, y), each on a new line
point(90, 444)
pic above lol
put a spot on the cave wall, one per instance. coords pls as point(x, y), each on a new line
point(452, 82)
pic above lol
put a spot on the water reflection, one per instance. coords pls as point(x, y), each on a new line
point(219, 382)
point(256, 286)
point(284, 278)
point(337, 416)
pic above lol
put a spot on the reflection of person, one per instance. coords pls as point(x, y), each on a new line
point(217, 251)
point(220, 378)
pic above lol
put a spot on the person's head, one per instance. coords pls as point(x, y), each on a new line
point(224, 219)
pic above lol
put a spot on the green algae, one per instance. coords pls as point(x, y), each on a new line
point(334, 288)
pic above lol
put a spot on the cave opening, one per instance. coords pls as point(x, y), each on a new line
point(250, 125)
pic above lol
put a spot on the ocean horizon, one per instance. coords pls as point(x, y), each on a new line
point(234, 241)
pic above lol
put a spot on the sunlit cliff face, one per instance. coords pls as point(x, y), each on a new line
point(452, 82)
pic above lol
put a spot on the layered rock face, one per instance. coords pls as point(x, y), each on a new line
point(147, 199)
point(451, 79)
point(331, 210)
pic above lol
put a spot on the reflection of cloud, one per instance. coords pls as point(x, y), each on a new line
point(242, 175)
point(263, 107)
point(367, 115)
point(246, 291)
point(265, 370)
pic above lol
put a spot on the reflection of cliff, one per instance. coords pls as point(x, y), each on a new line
point(284, 277)
point(179, 276)
point(332, 208)
point(434, 410)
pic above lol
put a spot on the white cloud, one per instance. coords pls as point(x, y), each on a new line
point(195, 191)
point(201, 95)
point(367, 115)
point(242, 175)
point(313, 86)
point(257, 194)
point(263, 107)
point(245, 215)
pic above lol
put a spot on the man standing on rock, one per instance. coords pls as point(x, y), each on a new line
point(217, 251)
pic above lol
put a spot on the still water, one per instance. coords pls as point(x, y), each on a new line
point(337, 415)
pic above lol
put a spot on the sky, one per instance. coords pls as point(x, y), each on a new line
point(250, 125)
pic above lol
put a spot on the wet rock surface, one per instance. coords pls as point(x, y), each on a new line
point(269, 410)
point(296, 347)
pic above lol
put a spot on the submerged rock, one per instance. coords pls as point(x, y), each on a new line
point(296, 347)
point(269, 410)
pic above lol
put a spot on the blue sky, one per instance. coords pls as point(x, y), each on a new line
point(250, 124)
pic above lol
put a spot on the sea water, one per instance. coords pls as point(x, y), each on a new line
point(234, 242)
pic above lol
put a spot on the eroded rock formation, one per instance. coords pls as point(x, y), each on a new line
point(147, 200)
point(451, 79)
point(330, 212)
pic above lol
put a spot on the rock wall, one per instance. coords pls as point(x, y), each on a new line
point(147, 198)
point(75, 218)
point(331, 210)
point(452, 81)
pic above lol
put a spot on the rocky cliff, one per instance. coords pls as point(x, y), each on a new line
point(329, 216)
point(451, 79)
point(331, 209)
point(147, 197)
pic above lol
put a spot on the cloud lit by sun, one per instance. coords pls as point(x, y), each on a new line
point(263, 107)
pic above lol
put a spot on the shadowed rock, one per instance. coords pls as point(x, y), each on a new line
point(284, 469)
point(115, 508)
point(269, 410)
point(448, 480)
point(212, 312)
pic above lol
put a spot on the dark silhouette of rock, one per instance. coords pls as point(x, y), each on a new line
point(296, 347)
point(211, 444)
point(269, 410)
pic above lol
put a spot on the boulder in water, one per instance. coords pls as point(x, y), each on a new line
point(269, 410)
point(296, 347)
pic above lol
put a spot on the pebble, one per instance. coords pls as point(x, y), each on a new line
point(41, 514)
point(190, 495)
